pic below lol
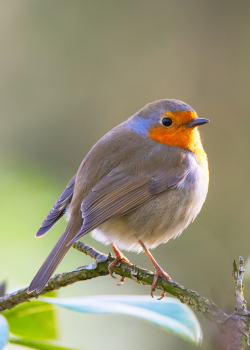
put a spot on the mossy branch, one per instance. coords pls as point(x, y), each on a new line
point(235, 325)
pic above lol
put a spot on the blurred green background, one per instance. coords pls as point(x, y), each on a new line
point(72, 70)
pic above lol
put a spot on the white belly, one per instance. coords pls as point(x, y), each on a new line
point(158, 220)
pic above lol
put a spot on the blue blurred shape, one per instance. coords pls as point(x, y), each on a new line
point(169, 313)
point(4, 332)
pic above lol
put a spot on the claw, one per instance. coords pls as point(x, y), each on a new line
point(119, 257)
point(121, 281)
point(162, 295)
point(112, 265)
point(158, 272)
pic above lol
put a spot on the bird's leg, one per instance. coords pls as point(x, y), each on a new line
point(158, 270)
point(118, 257)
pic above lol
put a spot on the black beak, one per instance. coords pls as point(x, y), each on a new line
point(197, 122)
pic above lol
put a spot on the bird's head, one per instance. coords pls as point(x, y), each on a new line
point(170, 122)
point(167, 121)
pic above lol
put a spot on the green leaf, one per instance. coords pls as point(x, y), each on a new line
point(169, 313)
point(36, 344)
point(4, 332)
point(36, 320)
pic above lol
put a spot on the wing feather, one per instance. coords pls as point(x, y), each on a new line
point(119, 193)
point(58, 210)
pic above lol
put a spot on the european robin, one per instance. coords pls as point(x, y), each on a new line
point(140, 185)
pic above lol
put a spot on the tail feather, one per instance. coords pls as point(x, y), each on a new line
point(52, 261)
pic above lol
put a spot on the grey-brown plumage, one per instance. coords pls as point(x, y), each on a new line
point(58, 210)
point(128, 188)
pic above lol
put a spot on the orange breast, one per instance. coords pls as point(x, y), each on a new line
point(181, 136)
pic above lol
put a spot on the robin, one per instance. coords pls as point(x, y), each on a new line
point(141, 184)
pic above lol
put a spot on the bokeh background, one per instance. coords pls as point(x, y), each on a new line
point(72, 70)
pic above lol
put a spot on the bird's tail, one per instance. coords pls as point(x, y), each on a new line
point(53, 260)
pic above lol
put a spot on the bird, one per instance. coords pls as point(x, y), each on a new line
point(140, 185)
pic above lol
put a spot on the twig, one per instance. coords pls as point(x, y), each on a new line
point(241, 303)
point(238, 323)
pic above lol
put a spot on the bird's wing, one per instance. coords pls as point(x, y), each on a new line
point(119, 193)
point(58, 210)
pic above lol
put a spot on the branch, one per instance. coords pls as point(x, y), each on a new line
point(100, 268)
point(236, 325)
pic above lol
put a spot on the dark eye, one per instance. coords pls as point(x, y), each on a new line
point(167, 121)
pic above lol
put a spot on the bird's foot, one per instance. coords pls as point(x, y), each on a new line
point(158, 272)
point(118, 257)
